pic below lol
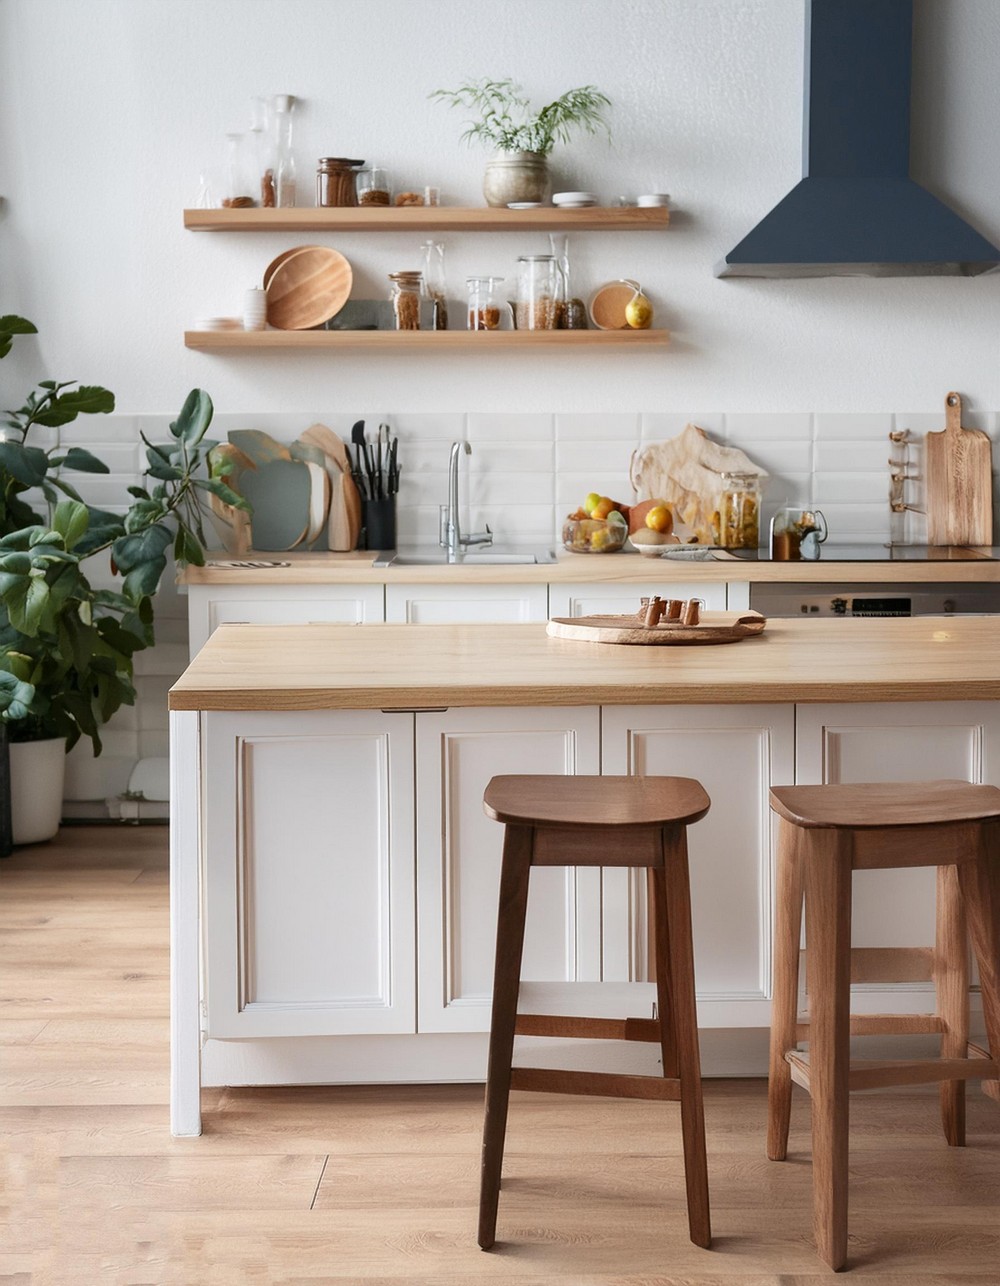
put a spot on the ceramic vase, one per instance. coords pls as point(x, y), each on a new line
point(516, 176)
point(37, 775)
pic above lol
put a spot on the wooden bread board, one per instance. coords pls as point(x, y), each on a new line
point(714, 627)
point(959, 477)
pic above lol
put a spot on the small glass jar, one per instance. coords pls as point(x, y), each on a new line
point(484, 308)
point(739, 511)
point(797, 534)
point(335, 181)
point(237, 188)
point(538, 283)
point(373, 186)
point(405, 297)
point(434, 282)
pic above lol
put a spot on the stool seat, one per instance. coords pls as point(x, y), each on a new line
point(598, 821)
point(879, 804)
point(586, 801)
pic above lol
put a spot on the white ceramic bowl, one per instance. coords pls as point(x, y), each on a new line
point(653, 198)
point(574, 198)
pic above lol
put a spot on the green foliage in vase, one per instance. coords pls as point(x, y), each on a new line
point(67, 647)
point(507, 123)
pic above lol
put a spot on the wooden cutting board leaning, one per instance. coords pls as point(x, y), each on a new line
point(958, 470)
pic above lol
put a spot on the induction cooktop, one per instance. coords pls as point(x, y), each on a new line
point(840, 552)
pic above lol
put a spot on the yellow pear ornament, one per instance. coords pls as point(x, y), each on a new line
point(639, 311)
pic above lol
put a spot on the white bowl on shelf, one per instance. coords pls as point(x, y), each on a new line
point(574, 200)
point(653, 199)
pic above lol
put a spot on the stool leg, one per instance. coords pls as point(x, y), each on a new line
point(785, 998)
point(951, 982)
point(980, 885)
point(828, 944)
point(672, 897)
point(659, 954)
point(513, 903)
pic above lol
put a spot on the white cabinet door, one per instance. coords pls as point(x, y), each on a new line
point(308, 886)
point(905, 741)
point(612, 598)
point(466, 604)
point(210, 606)
point(458, 859)
point(736, 752)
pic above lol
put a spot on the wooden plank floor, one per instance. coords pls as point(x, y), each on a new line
point(378, 1185)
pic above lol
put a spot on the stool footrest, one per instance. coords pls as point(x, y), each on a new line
point(641, 1029)
point(877, 1073)
point(605, 1084)
point(884, 1025)
point(990, 1088)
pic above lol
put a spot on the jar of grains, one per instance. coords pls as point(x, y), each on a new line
point(335, 181)
point(484, 310)
point(373, 186)
point(537, 292)
point(407, 290)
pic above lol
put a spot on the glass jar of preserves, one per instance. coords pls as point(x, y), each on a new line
point(335, 177)
point(739, 511)
point(484, 308)
point(538, 283)
point(407, 290)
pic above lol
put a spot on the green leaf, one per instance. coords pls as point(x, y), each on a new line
point(16, 698)
point(194, 419)
point(11, 326)
point(25, 597)
point(186, 548)
point(225, 493)
point(71, 519)
point(88, 399)
point(27, 464)
point(67, 489)
point(78, 458)
point(142, 557)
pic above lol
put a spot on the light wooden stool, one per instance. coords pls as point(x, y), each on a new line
point(825, 833)
point(598, 821)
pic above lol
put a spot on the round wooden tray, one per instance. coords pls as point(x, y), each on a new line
point(714, 627)
point(307, 287)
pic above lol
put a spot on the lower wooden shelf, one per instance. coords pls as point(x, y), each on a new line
point(234, 340)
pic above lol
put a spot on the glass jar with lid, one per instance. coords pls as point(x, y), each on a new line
point(484, 307)
point(538, 282)
point(739, 511)
point(407, 290)
point(335, 177)
point(237, 188)
point(372, 186)
point(434, 283)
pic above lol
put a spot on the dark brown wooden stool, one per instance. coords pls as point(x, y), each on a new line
point(826, 833)
point(598, 821)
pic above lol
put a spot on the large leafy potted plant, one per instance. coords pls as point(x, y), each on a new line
point(66, 646)
point(522, 139)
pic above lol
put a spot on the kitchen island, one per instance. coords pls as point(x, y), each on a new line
point(333, 878)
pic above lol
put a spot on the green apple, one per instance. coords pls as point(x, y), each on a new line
point(592, 501)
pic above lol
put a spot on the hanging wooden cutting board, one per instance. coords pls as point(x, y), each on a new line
point(959, 482)
point(345, 503)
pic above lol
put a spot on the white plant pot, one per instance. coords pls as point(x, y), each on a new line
point(37, 774)
point(516, 176)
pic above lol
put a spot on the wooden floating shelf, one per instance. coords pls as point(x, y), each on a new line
point(234, 340)
point(438, 218)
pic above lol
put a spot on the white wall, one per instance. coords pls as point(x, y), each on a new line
point(109, 109)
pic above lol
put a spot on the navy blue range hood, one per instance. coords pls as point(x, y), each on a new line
point(856, 211)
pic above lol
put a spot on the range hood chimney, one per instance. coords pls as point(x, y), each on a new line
point(856, 211)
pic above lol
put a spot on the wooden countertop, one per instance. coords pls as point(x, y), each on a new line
point(356, 568)
point(336, 667)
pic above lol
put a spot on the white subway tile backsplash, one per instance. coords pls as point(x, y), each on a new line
point(510, 457)
point(93, 431)
point(585, 425)
point(847, 427)
point(780, 459)
point(742, 429)
point(854, 457)
point(509, 489)
point(501, 426)
point(658, 426)
point(784, 489)
point(852, 488)
point(858, 523)
point(603, 457)
point(515, 523)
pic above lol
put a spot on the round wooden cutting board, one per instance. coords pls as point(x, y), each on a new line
point(307, 287)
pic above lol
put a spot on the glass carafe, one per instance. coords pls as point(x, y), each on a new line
point(434, 288)
point(284, 157)
point(797, 534)
point(237, 188)
point(537, 292)
point(571, 312)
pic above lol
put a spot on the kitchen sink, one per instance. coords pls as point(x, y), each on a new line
point(433, 556)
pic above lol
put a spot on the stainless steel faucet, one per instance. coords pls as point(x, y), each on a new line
point(450, 536)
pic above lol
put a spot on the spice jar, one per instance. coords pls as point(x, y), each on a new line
point(407, 288)
point(335, 181)
point(237, 188)
point(537, 292)
point(372, 186)
point(739, 511)
point(484, 310)
point(434, 284)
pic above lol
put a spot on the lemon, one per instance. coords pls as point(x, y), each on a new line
point(592, 501)
point(639, 312)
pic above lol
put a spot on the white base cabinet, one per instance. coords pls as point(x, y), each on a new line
point(461, 604)
point(210, 606)
point(610, 599)
point(350, 876)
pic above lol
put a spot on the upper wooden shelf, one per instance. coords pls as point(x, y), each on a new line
point(438, 218)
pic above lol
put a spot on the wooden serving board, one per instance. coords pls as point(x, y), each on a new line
point(714, 627)
point(959, 482)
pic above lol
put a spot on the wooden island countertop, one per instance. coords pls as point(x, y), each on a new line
point(392, 667)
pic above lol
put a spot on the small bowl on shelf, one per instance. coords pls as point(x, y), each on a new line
point(593, 536)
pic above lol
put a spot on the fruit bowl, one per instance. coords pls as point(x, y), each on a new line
point(593, 536)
